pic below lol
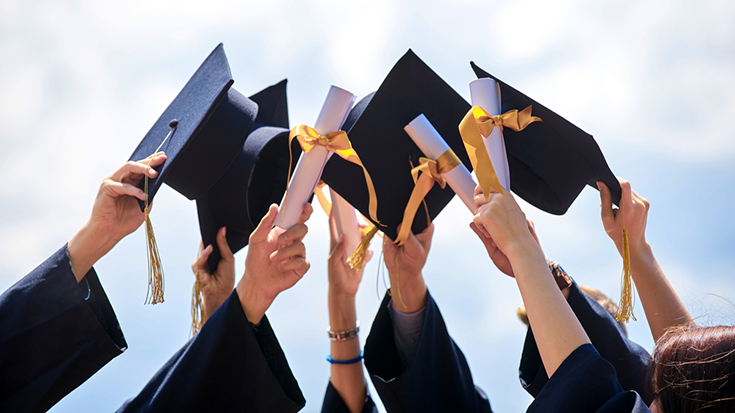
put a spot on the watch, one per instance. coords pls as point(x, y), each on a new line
point(561, 276)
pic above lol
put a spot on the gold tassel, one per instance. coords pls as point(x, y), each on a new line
point(625, 309)
point(155, 270)
point(357, 258)
point(196, 305)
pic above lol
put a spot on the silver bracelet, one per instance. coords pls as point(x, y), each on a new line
point(344, 335)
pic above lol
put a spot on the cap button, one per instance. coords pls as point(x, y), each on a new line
point(173, 123)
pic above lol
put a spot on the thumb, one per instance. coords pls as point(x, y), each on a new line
point(424, 238)
point(339, 249)
point(266, 224)
point(608, 216)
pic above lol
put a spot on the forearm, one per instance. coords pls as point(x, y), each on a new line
point(660, 302)
point(347, 379)
point(86, 247)
point(408, 291)
point(556, 329)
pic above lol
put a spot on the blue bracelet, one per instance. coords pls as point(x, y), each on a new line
point(351, 361)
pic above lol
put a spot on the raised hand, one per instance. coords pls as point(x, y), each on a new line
point(343, 280)
point(404, 265)
point(635, 208)
point(276, 261)
point(115, 214)
point(215, 287)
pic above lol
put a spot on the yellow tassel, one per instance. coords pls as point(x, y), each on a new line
point(196, 305)
point(625, 309)
point(357, 258)
point(398, 285)
point(155, 270)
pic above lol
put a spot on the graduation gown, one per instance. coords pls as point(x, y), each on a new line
point(586, 383)
point(230, 365)
point(437, 380)
point(54, 334)
point(629, 359)
point(333, 403)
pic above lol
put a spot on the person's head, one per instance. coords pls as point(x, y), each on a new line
point(694, 370)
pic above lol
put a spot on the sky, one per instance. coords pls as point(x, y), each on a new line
point(81, 82)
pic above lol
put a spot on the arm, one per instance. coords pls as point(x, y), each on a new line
point(347, 379)
point(662, 305)
point(557, 331)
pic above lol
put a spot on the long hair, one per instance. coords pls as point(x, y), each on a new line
point(694, 370)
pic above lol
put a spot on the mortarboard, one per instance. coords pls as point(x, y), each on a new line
point(550, 161)
point(375, 127)
point(201, 132)
point(253, 181)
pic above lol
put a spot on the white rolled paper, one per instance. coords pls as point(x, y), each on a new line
point(346, 220)
point(311, 164)
point(433, 145)
point(485, 92)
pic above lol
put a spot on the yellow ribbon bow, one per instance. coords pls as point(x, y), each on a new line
point(425, 176)
point(478, 123)
point(336, 142)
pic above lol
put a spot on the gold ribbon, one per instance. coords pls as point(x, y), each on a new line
point(425, 176)
point(319, 192)
point(336, 142)
point(478, 123)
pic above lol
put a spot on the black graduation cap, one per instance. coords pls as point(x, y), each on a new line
point(551, 161)
point(375, 128)
point(208, 120)
point(254, 180)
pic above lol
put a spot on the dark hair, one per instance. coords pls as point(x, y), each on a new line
point(694, 369)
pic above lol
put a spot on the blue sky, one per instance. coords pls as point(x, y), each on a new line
point(81, 83)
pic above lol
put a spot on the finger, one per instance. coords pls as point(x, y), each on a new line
point(156, 157)
point(117, 189)
point(338, 250)
point(202, 260)
point(424, 238)
point(294, 234)
point(608, 217)
point(266, 224)
point(297, 249)
point(626, 191)
point(134, 168)
point(532, 229)
point(305, 213)
point(480, 233)
point(333, 234)
point(299, 266)
point(224, 247)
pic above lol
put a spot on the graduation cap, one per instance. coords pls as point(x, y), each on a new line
point(376, 129)
point(550, 161)
point(201, 131)
point(253, 181)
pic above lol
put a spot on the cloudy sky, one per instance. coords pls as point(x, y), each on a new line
point(81, 82)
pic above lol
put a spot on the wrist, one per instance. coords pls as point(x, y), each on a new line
point(86, 247)
point(408, 292)
point(522, 249)
point(342, 313)
point(253, 304)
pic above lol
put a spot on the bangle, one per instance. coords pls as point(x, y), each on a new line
point(560, 276)
point(350, 361)
point(344, 335)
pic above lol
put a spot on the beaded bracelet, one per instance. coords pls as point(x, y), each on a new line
point(350, 361)
point(344, 335)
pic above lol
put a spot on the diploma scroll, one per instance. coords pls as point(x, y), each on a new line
point(311, 164)
point(346, 220)
point(485, 93)
point(433, 145)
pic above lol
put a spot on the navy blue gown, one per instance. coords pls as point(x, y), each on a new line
point(230, 365)
point(629, 359)
point(54, 334)
point(437, 380)
point(333, 402)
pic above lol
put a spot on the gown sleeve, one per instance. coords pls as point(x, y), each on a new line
point(629, 359)
point(586, 383)
point(437, 380)
point(333, 402)
point(54, 334)
point(230, 365)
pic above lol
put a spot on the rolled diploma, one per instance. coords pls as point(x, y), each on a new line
point(433, 145)
point(346, 220)
point(311, 164)
point(485, 92)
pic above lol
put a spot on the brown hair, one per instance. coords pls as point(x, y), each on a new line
point(694, 369)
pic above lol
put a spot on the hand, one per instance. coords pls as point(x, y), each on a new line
point(499, 259)
point(501, 220)
point(215, 287)
point(404, 265)
point(636, 214)
point(276, 260)
point(343, 280)
point(115, 214)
